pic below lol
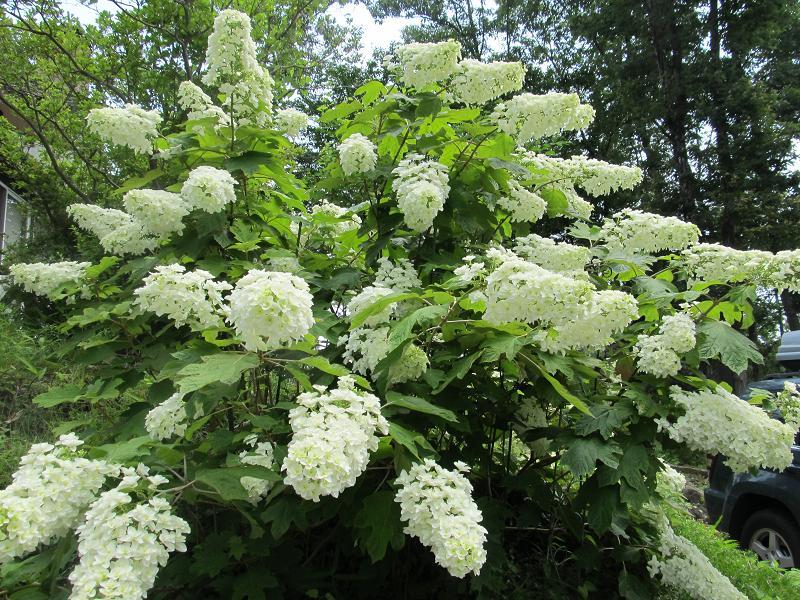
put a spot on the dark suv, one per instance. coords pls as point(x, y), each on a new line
point(762, 511)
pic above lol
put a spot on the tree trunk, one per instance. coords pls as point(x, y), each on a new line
point(726, 195)
point(668, 49)
point(791, 307)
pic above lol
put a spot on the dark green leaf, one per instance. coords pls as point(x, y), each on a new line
point(283, 512)
point(720, 340)
point(324, 365)
point(583, 453)
point(358, 319)
point(418, 405)
point(461, 368)
point(56, 396)
point(226, 480)
point(225, 367)
point(604, 502)
point(379, 526)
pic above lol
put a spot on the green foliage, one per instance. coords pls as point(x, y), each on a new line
point(578, 505)
point(756, 579)
point(29, 365)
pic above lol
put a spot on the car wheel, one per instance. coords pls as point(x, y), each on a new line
point(774, 537)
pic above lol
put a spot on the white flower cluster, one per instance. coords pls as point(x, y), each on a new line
point(523, 204)
point(198, 104)
point(529, 116)
point(168, 419)
point(270, 308)
point(716, 421)
point(423, 64)
point(411, 366)
point(154, 215)
point(123, 542)
point(233, 68)
point(659, 354)
point(637, 231)
point(600, 178)
point(187, 297)
point(606, 313)
point(333, 434)
point(476, 82)
point(522, 291)
point(328, 220)
point(231, 52)
point(46, 279)
point(788, 404)
point(261, 455)
point(714, 262)
point(209, 189)
point(597, 177)
point(559, 257)
point(440, 511)
point(467, 273)
point(291, 121)
point(357, 154)
point(400, 276)
point(422, 186)
point(368, 344)
point(365, 347)
point(117, 231)
point(785, 271)
point(682, 566)
point(132, 126)
point(670, 482)
point(366, 298)
point(160, 212)
point(47, 496)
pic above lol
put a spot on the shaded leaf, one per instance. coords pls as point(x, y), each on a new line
point(379, 525)
point(583, 453)
point(418, 405)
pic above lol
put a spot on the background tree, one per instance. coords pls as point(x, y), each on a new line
point(58, 68)
point(702, 95)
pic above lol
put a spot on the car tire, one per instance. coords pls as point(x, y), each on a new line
point(773, 535)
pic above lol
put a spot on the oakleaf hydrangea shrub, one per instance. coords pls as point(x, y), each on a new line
point(392, 381)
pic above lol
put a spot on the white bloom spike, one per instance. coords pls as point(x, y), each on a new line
point(189, 298)
point(477, 82)
point(357, 154)
point(159, 211)
point(716, 421)
point(528, 117)
point(34, 509)
point(132, 126)
point(168, 419)
point(209, 189)
point(333, 434)
point(45, 279)
point(637, 231)
point(440, 511)
point(422, 186)
point(423, 64)
point(270, 308)
point(681, 565)
point(123, 543)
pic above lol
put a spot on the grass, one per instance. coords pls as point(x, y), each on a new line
point(28, 368)
point(756, 579)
